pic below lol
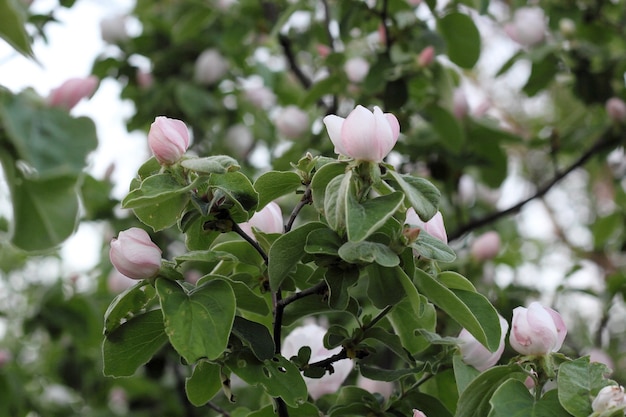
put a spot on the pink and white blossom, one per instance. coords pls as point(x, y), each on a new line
point(268, 220)
point(363, 135)
point(477, 355)
point(210, 67)
point(312, 335)
point(434, 227)
point(486, 246)
point(356, 69)
point(537, 330)
point(168, 139)
point(68, 94)
point(611, 397)
point(528, 26)
point(134, 254)
point(292, 122)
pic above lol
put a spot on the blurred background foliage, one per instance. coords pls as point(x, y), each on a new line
point(516, 136)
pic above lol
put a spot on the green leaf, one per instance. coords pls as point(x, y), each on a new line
point(463, 373)
point(474, 401)
point(198, 322)
point(454, 280)
point(388, 375)
point(363, 219)
point(248, 300)
point(127, 304)
point(419, 193)
point(447, 127)
point(256, 336)
point(12, 28)
point(336, 200)
point(211, 256)
point(274, 184)
point(462, 39)
point(541, 74)
point(133, 344)
point(368, 252)
point(49, 140)
point(239, 190)
point(432, 248)
point(154, 190)
point(339, 281)
point(45, 212)
point(512, 399)
point(287, 251)
point(578, 382)
point(320, 180)
point(392, 341)
point(215, 164)
point(405, 323)
point(470, 309)
point(204, 383)
point(323, 242)
point(278, 376)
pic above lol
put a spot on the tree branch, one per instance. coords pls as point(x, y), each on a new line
point(318, 288)
point(306, 199)
point(251, 241)
point(606, 140)
point(285, 43)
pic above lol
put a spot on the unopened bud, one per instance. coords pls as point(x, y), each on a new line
point(426, 57)
point(616, 109)
point(356, 69)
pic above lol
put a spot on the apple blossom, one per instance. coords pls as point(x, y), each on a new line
point(434, 227)
point(426, 57)
point(210, 67)
point(600, 356)
point(460, 106)
point(616, 109)
point(5, 357)
point(268, 220)
point(260, 96)
point(292, 122)
point(418, 413)
point(134, 254)
point(68, 94)
point(528, 26)
point(486, 246)
point(312, 335)
point(144, 78)
point(168, 139)
point(363, 135)
point(118, 282)
point(536, 330)
point(113, 29)
point(356, 69)
point(610, 397)
point(478, 356)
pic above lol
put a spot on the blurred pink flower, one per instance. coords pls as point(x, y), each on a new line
point(356, 69)
point(68, 94)
point(616, 109)
point(210, 67)
point(486, 246)
point(528, 26)
point(292, 122)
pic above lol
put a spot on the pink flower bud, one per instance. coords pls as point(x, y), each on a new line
point(426, 57)
point(356, 69)
point(460, 106)
point(210, 67)
point(434, 227)
point(528, 26)
point(312, 335)
point(168, 139)
point(113, 29)
point(260, 96)
point(537, 330)
point(486, 246)
point(134, 254)
point(418, 413)
point(478, 356)
point(600, 356)
point(323, 50)
point(268, 220)
point(292, 122)
point(68, 94)
point(363, 135)
point(610, 397)
point(144, 79)
point(5, 357)
point(616, 109)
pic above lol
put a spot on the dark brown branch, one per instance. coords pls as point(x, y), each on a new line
point(250, 240)
point(306, 199)
point(607, 140)
point(285, 43)
point(318, 288)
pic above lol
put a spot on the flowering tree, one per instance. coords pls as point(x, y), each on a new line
point(315, 232)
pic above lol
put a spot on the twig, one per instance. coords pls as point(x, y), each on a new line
point(605, 141)
point(285, 42)
point(278, 319)
point(251, 241)
point(217, 408)
point(306, 199)
point(316, 289)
